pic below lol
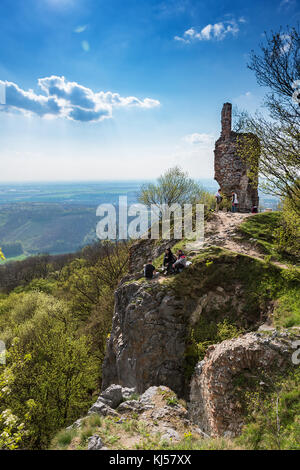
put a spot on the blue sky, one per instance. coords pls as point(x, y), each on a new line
point(124, 89)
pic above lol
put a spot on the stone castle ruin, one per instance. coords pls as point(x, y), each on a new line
point(231, 170)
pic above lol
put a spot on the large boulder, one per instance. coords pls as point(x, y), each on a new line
point(110, 399)
point(213, 403)
point(101, 408)
point(147, 343)
point(113, 394)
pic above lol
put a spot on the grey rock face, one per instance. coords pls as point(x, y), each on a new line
point(95, 443)
point(170, 435)
point(102, 409)
point(127, 392)
point(147, 343)
point(109, 400)
point(113, 394)
point(150, 328)
point(130, 405)
point(147, 396)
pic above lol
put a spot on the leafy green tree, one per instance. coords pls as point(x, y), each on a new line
point(84, 283)
point(287, 235)
point(58, 374)
point(12, 430)
point(173, 187)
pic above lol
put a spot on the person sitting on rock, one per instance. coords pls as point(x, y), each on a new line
point(169, 260)
point(149, 270)
point(180, 264)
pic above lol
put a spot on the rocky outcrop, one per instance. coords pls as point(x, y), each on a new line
point(152, 320)
point(157, 413)
point(214, 407)
point(231, 171)
point(147, 343)
point(110, 399)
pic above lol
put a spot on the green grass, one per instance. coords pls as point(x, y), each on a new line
point(287, 309)
point(262, 228)
point(158, 262)
point(64, 438)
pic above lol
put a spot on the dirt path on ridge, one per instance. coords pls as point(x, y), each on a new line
point(222, 230)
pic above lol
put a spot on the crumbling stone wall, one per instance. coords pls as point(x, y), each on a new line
point(213, 404)
point(231, 171)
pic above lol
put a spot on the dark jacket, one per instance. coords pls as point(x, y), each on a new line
point(149, 270)
point(169, 258)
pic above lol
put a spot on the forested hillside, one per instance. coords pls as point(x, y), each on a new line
point(55, 315)
point(32, 228)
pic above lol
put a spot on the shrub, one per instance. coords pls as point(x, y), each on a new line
point(273, 414)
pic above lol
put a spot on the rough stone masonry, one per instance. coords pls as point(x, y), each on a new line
point(231, 170)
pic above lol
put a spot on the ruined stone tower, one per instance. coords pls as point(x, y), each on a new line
point(231, 170)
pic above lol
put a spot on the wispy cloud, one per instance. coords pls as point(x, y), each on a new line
point(85, 46)
point(81, 29)
point(199, 139)
point(172, 7)
point(287, 3)
point(68, 100)
point(217, 31)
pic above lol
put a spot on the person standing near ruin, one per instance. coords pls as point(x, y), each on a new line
point(218, 197)
point(234, 202)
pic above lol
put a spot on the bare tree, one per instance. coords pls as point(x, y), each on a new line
point(278, 68)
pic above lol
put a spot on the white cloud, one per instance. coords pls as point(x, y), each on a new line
point(217, 31)
point(286, 43)
point(202, 139)
point(85, 46)
point(69, 100)
point(80, 29)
